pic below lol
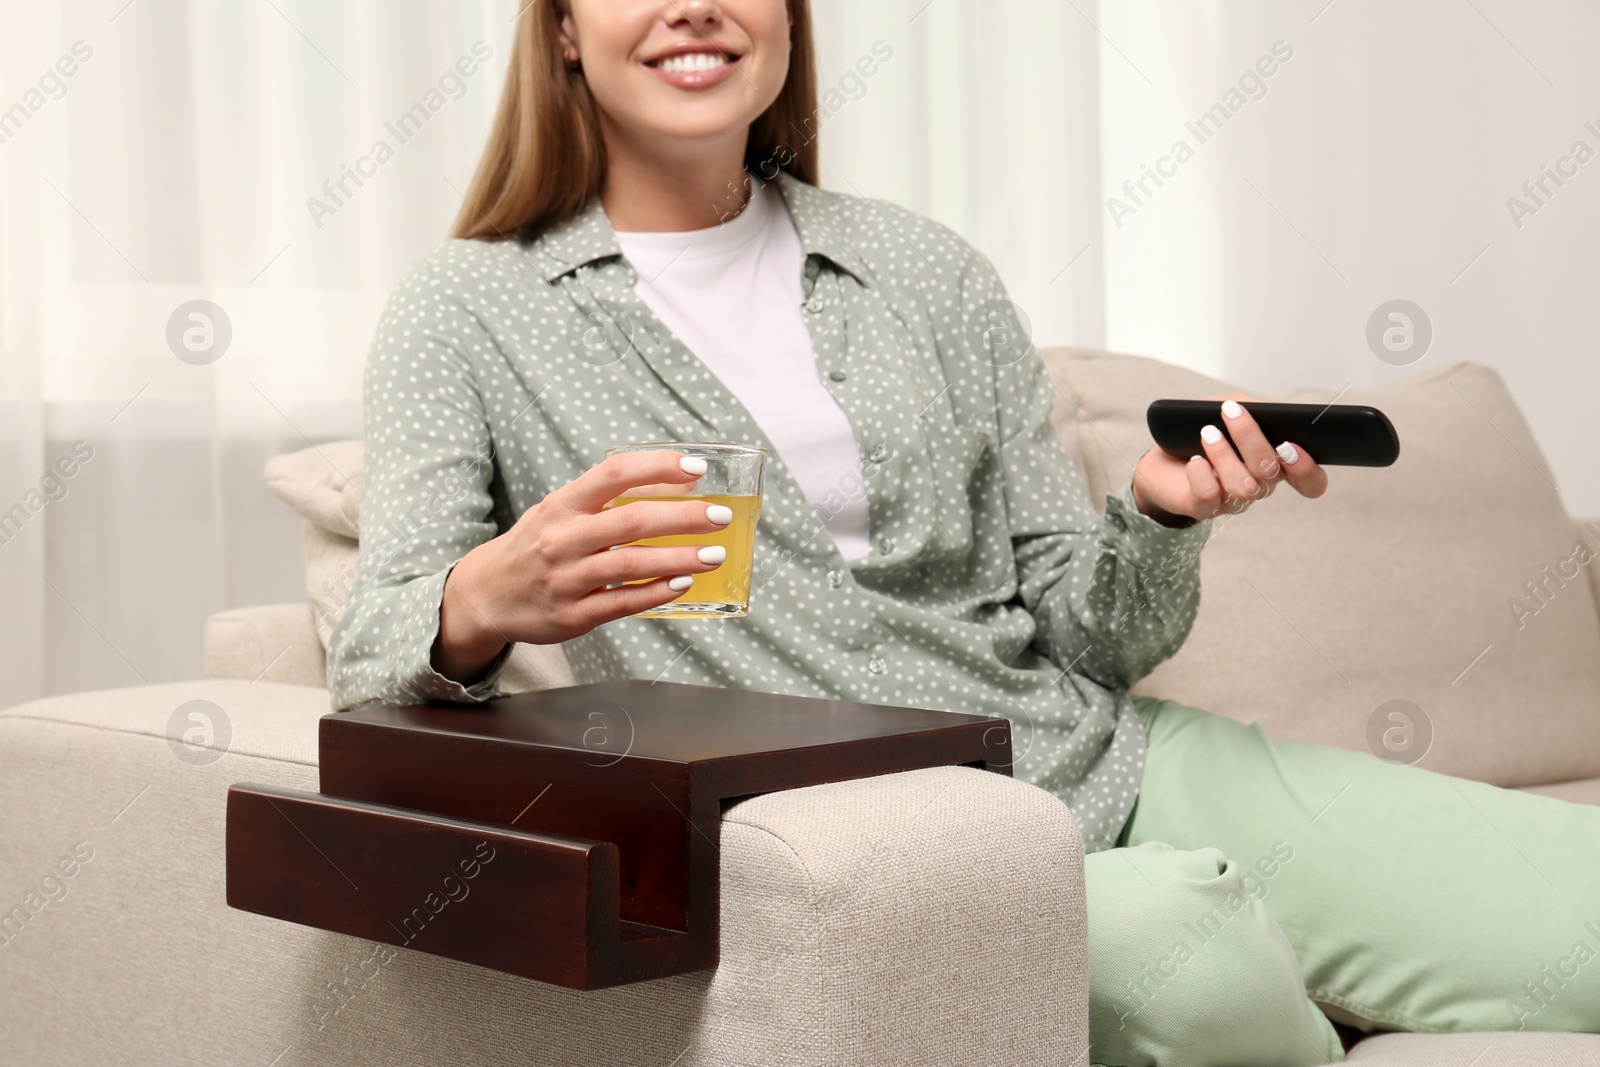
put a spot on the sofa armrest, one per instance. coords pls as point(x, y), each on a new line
point(931, 917)
point(275, 643)
point(927, 917)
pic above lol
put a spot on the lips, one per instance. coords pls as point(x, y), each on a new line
point(693, 64)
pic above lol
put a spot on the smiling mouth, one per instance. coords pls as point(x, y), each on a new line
point(693, 62)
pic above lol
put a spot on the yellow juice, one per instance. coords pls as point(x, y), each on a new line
point(726, 590)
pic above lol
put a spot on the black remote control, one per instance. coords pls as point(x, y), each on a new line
point(1351, 435)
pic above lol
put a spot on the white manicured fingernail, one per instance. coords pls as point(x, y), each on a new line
point(693, 465)
point(1288, 453)
point(712, 554)
point(1232, 409)
point(721, 514)
point(1210, 434)
point(681, 582)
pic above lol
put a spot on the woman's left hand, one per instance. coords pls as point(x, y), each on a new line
point(1226, 478)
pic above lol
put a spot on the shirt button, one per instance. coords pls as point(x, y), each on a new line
point(885, 545)
point(816, 303)
point(837, 375)
point(835, 579)
point(876, 665)
point(880, 452)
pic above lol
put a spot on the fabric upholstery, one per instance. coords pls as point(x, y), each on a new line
point(1316, 612)
point(332, 562)
point(929, 917)
point(1589, 530)
point(1582, 791)
point(271, 643)
point(1510, 1049)
point(322, 484)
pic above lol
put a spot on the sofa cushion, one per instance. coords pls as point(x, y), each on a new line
point(1397, 584)
point(267, 643)
point(1589, 530)
point(1508, 1049)
point(1582, 791)
point(323, 486)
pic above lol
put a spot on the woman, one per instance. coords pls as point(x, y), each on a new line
point(644, 256)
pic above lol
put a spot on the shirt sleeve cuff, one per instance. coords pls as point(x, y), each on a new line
point(1145, 542)
point(421, 678)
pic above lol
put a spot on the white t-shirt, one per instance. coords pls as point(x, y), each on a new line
point(732, 294)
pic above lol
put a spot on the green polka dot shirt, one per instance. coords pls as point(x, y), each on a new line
point(502, 370)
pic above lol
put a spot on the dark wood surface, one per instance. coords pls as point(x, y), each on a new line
point(608, 798)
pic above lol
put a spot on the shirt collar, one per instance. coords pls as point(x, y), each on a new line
point(818, 220)
point(577, 242)
point(588, 236)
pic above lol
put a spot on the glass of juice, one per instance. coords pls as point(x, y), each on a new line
point(733, 478)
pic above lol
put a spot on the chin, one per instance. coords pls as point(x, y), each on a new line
point(700, 124)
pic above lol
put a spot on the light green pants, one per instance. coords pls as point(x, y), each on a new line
point(1264, 880)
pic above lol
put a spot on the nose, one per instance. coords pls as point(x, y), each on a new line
point(697, 14)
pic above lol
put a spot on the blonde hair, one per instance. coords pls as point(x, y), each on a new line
point(546, 159)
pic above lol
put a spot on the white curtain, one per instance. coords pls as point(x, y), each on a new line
point(987, 118)
point(178, 162)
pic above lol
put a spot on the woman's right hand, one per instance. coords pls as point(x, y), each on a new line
point(545, 580)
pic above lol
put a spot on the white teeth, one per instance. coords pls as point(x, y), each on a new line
point(692, 62)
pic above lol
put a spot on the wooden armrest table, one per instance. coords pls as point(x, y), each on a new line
point(570, 835)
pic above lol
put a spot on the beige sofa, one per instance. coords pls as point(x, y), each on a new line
point(934, 917)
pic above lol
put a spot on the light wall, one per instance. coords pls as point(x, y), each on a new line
point(1377, 165)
